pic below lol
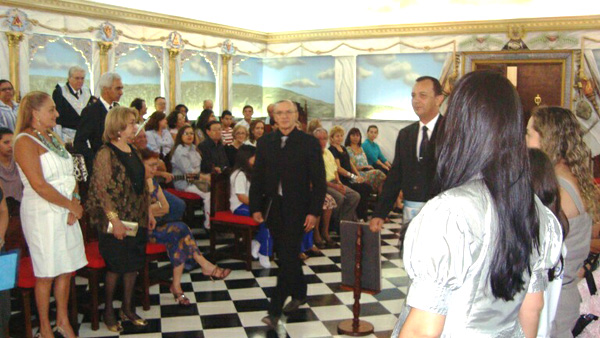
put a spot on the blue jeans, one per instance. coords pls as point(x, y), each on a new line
point(263, 236)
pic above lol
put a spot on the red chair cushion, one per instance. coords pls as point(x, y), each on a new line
point(597, 180)
point(155, 248)
point(184, 195)
point(229, 217)
point(26, 277)
point(92, 253)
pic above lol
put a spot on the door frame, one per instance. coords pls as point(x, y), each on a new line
point(469, 61)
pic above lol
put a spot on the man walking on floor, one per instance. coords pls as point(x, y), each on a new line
point(287, 191)
point(414, 160)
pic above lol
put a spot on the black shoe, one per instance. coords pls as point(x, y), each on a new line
point(293, 305)
point(271, 321)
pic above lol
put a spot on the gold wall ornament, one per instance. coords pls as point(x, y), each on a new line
point(14, 43)
point(173, 54)
point(225, 59)
point(104, 48)
point(537, 100)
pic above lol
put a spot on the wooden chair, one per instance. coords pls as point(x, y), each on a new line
point(222, 220)
point(26, 278)
point(154, 252)
point(93, 271)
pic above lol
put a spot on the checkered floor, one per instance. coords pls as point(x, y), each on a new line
point(233, 308)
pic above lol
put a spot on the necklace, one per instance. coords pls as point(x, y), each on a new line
point(55, 146)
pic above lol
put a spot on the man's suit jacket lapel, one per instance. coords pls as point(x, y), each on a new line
point(412, 137)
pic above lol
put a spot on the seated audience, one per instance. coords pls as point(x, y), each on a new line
point(346, 199)
point(140, 106)
point(186, 160)
point(181, 246)
point(321, 234)
point(183, 109)
point(213, 153)
point(347, 172)
point(8, 107)
point(240, 135)
point(257, 130)
point(9, 175)
point(226, 129)
point(175, 121)
point(160, 104)
point(158, 135)
point(313, 125)
point(373, 177)
point(207, 104)
point(247, 111)
point(239, 201)
point(205, 117)
point(557, 132)
point(373, 152)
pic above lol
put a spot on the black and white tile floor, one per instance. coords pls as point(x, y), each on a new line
point(233, 308)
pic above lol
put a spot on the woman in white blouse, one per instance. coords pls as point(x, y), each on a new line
point(186, 160)
point(157, 132)
point(478, 254)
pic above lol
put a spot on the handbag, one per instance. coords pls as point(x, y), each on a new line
point(8, 264)
point(79, 169)
point(131, 228)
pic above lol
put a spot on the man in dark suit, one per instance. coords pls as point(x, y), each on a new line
point(414, 164)
point(288, 189)
point(212, 149)
point(88, 138)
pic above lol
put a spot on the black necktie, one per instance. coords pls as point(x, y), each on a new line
point(424, 144)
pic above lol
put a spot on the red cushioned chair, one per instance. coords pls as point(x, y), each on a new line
point(223, 220)
point(154, 252)
point(193, 202)
point(26, 283)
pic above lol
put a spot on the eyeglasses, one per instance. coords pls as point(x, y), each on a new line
point(7, 89)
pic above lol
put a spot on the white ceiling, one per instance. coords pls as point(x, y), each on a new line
point(273, 16)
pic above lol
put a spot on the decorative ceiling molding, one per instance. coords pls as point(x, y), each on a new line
point(126, 15)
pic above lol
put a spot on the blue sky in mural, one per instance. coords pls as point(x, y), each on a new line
point(197, 69)
point(387, 79)
point(55, 59)
point(310, 76)
point(138, 67)
point(249, 71)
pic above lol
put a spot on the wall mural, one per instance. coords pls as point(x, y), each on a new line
point(308, 80)
point(141, 76)
point(385, 81)
point(198, 83)
point(50, 66)
point(247, 86)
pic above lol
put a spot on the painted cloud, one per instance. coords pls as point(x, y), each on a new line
point(302, 83)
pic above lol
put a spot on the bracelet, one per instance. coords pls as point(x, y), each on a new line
point(112, 215)
point(76, 195)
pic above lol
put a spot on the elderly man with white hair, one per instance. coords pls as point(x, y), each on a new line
point(70, 99)
point(88, 138)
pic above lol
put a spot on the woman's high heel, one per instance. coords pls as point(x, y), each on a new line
point(137, 321)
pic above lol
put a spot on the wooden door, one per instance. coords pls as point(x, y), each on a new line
point(532, 79)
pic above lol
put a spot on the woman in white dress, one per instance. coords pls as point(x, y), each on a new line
point(50, 208)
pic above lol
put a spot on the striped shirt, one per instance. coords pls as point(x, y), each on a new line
point(227, 136)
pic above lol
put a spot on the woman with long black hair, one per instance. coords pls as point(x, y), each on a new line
point(478, 254)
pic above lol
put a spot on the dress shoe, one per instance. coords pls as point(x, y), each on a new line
point(271, 321)
point(293, 305)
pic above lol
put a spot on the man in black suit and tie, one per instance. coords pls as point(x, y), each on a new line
point(414, 164)
point(88, 138)
point(287, 190)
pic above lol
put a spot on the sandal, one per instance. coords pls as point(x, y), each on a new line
point(303, 256)
point(218, 273)
point(180, 298)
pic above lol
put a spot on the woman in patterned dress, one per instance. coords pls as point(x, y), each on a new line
point(177, 236)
